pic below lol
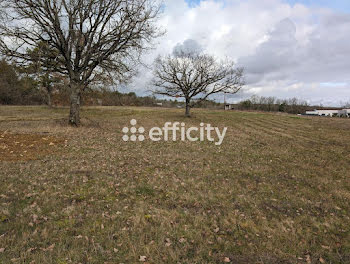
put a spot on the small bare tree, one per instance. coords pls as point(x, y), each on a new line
point(195, 77)
point(93, 38)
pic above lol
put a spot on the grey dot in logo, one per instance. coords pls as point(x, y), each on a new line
point(126, 138)
point(125, 130)
point(133, 130)
point(133, 122)
point(133, 138)
point(141, 130)
point(141, 138)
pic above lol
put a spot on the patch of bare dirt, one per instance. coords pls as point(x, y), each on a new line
point(22, 147)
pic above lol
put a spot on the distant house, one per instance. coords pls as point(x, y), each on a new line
point(331, 113)
point(228, 107)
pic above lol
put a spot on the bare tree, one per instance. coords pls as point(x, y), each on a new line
point(195, 77)
point(94, 38)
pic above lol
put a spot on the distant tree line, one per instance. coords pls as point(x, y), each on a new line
point(17, 88)
point(273, 104)
point(107, 97)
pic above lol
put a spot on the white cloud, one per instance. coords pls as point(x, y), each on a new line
point(288, 51)
point(188, 48)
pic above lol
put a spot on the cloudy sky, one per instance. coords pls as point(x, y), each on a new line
point(289, 48)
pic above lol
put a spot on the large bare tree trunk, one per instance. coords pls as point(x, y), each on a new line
point(188, 108)
point(74, 115)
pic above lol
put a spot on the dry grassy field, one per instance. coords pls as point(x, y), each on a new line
point(276, 191)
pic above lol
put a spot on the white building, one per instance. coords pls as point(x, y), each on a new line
point(331, 113)
point(345, 112)
point(228, 107)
